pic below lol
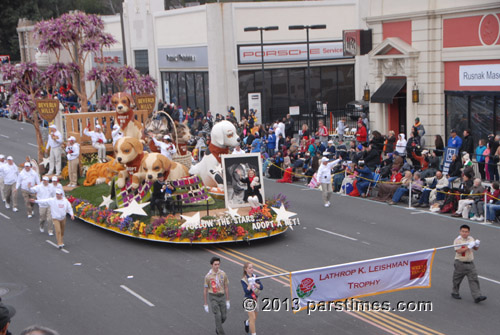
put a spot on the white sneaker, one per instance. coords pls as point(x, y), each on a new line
point(474, 218)
point(7, 205)
point(41, 230)
point(15, 209)
point(327, 204)
point(30, 216)
point(51, 233)
point(481, 218)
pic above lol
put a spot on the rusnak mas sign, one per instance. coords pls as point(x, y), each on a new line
point(290, 52)
point(480, 75)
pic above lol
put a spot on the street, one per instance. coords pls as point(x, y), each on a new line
point(111, 284)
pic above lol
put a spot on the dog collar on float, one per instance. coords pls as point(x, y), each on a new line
point(136, 162)
point(217, 151)
point(125, 118)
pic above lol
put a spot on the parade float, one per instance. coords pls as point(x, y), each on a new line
point(121, 191)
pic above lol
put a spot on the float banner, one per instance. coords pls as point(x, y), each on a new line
point(145, 102)
point(47, 108)
point(364, 278)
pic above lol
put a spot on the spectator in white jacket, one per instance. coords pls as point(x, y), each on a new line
point(42, 191)
point(401, 145)
point(59, 207)
point(73, 155)
point(10, 172)
point(98, 141)
point(324, 176)
point(25, 181)
point(54, 142)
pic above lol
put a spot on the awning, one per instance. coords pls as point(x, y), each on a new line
point(388, 90)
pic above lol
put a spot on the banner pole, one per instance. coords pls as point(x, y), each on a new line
point(409, 197)
point(485, 208)
point(373, 259)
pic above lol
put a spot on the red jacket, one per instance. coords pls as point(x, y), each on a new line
point(361, 134)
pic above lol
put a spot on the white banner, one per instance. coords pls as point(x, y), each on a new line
point(252, 54)
point(364, 278)
point(254, 103)
point(480, 75)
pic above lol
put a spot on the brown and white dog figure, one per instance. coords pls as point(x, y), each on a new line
point(155, 163)
point(129, 152)
point(124, 105)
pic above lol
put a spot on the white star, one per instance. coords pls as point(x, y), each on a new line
point(232, 211)
point(106, 201)
point(45, 161)
point(191, 221)
point(283, 214)
point(133, 208)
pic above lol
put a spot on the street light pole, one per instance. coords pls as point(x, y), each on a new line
point(308, 71)
point(262, 29)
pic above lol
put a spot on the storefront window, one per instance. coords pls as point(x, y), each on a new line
point(475, 111)
point(333, 85)
point(187, 89)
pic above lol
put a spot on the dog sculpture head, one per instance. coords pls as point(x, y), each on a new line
point(153, 164)
point(224, 135)
point(123, 102)
point(127, 149)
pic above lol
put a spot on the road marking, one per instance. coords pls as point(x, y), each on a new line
point(28, 229)
point(144, 300)
point(418, 212)
point(491, 280)
point(55, 245)
point(330, 232)
point(5, 216)
point(33, 145)
point(4, 135)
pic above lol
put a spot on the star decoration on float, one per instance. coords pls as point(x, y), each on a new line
point(232, 211)
point(45, 161)
point(191, 221)
point(133, 208)
point(283, 214)
point(106, 201)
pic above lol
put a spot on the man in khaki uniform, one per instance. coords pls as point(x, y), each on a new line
point(216, 285)
point(464, 265)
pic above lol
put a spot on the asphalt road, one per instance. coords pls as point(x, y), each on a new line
point(109, 284)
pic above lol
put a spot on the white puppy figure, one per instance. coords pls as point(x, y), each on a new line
point(223, 137)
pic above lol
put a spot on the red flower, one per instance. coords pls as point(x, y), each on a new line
point(306, 285)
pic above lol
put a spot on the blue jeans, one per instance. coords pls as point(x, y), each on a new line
point(270, 152)
point(362, 186)
point(399, 193)
point(491, 210)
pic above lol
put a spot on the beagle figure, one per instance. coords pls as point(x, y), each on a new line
point(129, 152)
point(155, 163)
point(124, 104)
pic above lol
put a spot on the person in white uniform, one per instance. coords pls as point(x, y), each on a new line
point(42, 191)
point(10, 172)
point(54, 143)
point(98, 141)
point(2, 163)
point(73, 156)
point(116, 134)
point(26, 179)
point(167, 148)
point(59, 207)
point(54, 186)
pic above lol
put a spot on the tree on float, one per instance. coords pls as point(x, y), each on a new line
point(79, 36)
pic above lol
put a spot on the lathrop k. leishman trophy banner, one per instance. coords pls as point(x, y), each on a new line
point(364, 278)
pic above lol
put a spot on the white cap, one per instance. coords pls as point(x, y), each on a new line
point(97, 126)
point(166, 137)
point(27, 164)
point(2, 156)
point(45, 178)
point(71, 138)
point(53, 126)
point(10, 157)
point(59, 191)
point(116, 126)
point(330, 142)
point(324, 159)
point(54, 178)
